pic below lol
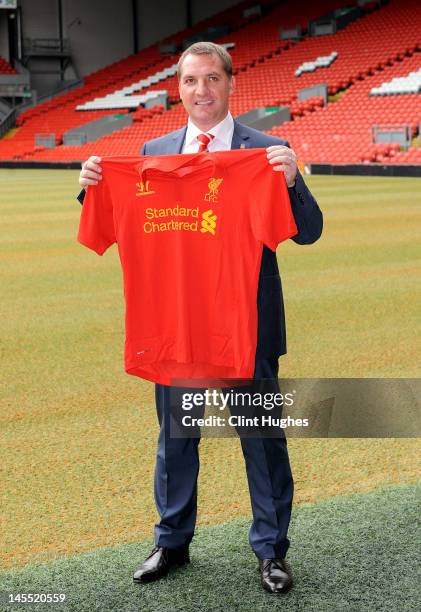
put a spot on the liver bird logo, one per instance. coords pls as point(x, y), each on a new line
point(213, 186)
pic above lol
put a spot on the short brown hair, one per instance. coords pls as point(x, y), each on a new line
point(207, 48)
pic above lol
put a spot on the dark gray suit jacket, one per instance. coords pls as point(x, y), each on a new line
point(308, 217)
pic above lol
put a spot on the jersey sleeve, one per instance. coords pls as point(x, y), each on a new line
point(96, 227)
point(272, 217)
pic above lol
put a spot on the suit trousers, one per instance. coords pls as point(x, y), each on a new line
point(268, 473)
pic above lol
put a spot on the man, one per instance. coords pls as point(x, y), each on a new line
point(205, 85)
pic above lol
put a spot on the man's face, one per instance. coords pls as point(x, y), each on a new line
point(205, 89)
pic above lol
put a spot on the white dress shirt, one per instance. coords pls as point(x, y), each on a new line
point(222, 133)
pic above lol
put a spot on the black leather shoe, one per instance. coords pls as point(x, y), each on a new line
point(159, 563)
point(276, 575)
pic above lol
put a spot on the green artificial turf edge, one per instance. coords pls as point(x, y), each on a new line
point(353, 553)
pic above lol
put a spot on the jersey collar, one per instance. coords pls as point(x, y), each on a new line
point(180, 164)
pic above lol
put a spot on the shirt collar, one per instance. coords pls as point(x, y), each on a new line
point(222, 131)
point(179, 164)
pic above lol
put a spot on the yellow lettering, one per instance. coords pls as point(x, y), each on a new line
point(171, 225)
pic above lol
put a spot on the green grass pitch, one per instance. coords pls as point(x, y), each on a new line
point(78, 435)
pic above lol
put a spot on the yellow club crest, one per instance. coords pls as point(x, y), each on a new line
point(213, 186)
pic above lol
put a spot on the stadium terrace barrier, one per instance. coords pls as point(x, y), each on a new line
point(40, 165)
point(47, 141)
point(291, 33)
point(325, 169)
point(401, 134)
point(335, 21)
point(264, 118)
point(365, 170)
point(89, 132)
point(5, 108)
point(46, 46)
point(35, 100)
point(7, 122)
point(316, 90)
point(209, 34)
point(15, 85)
point(168, 48)
point(255, 10)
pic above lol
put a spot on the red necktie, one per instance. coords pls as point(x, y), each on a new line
point(204, 140)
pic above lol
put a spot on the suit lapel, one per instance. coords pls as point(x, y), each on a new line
point(177, 141)
point(239, 137)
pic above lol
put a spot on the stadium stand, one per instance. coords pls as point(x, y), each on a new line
point(358, 63)
point(59, 114)
point(340, 132)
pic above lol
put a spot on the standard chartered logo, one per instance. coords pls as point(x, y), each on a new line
point(208, 222)
point(179, 218)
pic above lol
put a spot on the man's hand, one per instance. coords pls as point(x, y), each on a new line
point(91, 172)
point(283, 159)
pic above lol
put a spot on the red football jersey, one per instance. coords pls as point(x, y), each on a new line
point(190, 231)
